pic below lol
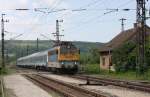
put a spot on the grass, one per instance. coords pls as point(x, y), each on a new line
point(93, 69)
point(0, 90)
point(5, 71)
point(129, 75)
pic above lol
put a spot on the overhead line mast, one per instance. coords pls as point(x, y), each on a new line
point(3, 46)
point(141, 34)
point(57, 34)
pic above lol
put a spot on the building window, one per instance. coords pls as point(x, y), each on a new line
point(103, 61)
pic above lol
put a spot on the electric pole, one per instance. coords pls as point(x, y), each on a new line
point(122, 23)
point(57, 34)
point(2, 33)
point(141, 34)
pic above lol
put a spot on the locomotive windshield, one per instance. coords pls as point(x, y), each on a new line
point(68, 49)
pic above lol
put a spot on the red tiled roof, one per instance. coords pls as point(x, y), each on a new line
point(120, 39)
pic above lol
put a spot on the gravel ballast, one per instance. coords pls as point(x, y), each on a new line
point(113, 90)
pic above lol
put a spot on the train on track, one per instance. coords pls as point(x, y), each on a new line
point(61, 58)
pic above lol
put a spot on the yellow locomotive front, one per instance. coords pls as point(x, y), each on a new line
point(68, 57)
point(64, 57)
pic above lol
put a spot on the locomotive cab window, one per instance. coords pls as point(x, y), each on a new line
point(53, 55)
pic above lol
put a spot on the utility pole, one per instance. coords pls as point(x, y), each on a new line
point(122, 23)
point(57, 34)
point(141, 35)
point(37, 44)
point(3, 46)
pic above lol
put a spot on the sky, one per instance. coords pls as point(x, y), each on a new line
point(83, 20)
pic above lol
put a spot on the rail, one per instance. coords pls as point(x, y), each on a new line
point(115, 82)
point(2, 87)
point(68, 90)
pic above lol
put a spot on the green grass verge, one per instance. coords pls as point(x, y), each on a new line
point(129, 75)
point(5, 71)
point(0, 90)
point(93, 69)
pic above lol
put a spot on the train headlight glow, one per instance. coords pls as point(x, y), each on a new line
point(75, 63)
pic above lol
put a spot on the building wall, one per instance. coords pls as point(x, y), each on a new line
point(104, 61)
point(107, 62)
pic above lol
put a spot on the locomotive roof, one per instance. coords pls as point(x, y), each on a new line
point(38, 53)
point(63, 43)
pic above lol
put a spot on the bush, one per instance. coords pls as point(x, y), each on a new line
point(92, 68)
point(124, 57)
point(90, 57)
point(4, 71)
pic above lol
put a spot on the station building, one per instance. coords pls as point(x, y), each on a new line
point(106, 50)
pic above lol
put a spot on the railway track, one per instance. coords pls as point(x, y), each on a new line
point(67, 89)
point(2, 94)
point(115, 82)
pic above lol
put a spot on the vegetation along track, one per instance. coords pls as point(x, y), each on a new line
point(115, 82)
point(67, 89)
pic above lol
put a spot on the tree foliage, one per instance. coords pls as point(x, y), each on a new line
point(90, 57)
point(124, 57)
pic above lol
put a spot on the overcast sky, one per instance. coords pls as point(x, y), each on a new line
point(84, 25)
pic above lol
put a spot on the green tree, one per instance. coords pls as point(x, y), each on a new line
point(94, 56)
point(90, 57)
point(147, 53)
point(124, 57)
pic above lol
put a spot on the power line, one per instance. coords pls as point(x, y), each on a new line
point(125, 4)
point(108, 12)
point(91, 4)
point(83, 7)
point(54, 4)
point(59, 2)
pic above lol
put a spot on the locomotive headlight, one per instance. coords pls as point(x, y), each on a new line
point(62, 63)
point(75, 63)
